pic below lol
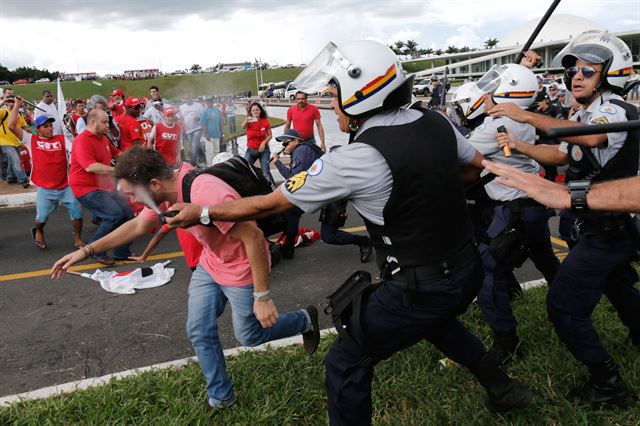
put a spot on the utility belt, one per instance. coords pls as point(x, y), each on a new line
point(607, 224)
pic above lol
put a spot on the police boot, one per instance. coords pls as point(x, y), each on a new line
point(506, 345)
point(605, 387)
point(504, 393)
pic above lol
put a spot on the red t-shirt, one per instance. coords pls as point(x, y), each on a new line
point(89, 148)
point(146, 126)
point(167, 139)
point(257, 132)
point(130, 130)
point(49, 158)
point(117, 110)
point(303, 119)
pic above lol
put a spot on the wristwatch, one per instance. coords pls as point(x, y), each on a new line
point(204, 216)
point(578, 190)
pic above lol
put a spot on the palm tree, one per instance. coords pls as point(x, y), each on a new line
point(490, 43)
point(398, 47)
point(438, 52)
point(452, 49)
point(195, 68)
point(411, 48)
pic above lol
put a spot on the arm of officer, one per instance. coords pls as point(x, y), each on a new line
point(545, 123)
point(543, 154)
point(125, 233)
point(253, 240)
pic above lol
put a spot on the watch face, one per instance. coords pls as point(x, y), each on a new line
point(204, 216)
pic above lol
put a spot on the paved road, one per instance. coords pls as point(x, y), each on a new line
point(58, 331)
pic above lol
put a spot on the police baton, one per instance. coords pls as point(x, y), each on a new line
point(535, 33)
point(595, 129)
point(480, 182)
point(281, 151)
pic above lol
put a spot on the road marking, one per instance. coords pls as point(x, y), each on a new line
point(45, 272)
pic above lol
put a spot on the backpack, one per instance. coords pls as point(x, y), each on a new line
point(246, 179)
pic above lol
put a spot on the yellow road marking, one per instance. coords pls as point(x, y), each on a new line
point(45, 272)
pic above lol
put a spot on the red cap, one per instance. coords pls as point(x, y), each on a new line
point(169, 111)
point(133, 101)
point(117, 92)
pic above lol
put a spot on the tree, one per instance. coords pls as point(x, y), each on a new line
point(411, 48)
point(490, 43)
point(438, 52)
point(451, 49)
point(398, 47)
point(195, 68)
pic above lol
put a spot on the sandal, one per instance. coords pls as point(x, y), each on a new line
point(38, 243)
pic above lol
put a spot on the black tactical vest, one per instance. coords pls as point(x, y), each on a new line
point(583, 164)
point(426, 218)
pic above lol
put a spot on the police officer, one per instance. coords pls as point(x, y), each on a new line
point(303, 154)
point(597, 65)
point(332, 217)
point(401, 174)
point(519, 228)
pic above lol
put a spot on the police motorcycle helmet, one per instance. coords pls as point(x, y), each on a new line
point(510, 83)
point(468, 101)
point(368, 76)
point(598, 47)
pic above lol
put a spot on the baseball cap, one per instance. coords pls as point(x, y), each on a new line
point(133, 101)
point(117, 92)
point(289, 134)
point(553, 86)
point(43, 119)
point(169, 111)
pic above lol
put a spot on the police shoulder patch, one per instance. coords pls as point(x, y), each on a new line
point(316, 167)
point(599, 120)
point(608, 109)
point(296, 182)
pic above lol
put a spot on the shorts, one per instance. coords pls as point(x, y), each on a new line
point(47, 201)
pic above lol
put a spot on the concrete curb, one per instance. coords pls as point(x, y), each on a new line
point(17, 200)
point(102, 380)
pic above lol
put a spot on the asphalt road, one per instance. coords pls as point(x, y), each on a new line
point(54, 332)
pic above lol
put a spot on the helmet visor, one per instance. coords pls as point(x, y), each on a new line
point(489, 82)
point(586, 47)
point(315, 77)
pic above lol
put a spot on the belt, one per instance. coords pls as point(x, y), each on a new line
point(438, 270)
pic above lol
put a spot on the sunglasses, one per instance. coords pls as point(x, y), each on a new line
point(587, 72)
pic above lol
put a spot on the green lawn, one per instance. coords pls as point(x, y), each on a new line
point(170, 86)
point(285, 387)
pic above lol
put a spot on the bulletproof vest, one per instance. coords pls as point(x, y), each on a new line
point(426, 218)
point(584, 165)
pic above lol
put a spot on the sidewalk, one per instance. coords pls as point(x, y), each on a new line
point(15, 195)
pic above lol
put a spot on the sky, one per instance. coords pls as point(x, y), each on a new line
point(109, 37)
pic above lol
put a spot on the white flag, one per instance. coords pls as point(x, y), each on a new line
point(62, 110)
point(127, 282)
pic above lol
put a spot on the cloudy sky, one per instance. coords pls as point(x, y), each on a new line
point(111, 36)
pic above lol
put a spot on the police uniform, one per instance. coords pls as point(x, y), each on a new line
point(600, 261)
point(513, 210)
point(400, 174)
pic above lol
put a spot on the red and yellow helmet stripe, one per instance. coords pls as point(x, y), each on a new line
point(371, 88)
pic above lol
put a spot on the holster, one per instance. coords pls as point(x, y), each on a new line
point(509, 249)
point(334, 214)
point(344, 306)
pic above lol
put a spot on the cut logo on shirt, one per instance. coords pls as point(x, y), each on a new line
point(296, 182)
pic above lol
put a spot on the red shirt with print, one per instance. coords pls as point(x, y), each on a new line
point(167, 139)
point(257, 132)
point(130, 130)
point(303, 119)
point(49, 158)
point(89, 148)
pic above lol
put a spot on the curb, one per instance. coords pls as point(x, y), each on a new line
point(17, 200)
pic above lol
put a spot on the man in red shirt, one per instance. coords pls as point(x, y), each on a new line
point(303, 116)
point(49, 174)
point(130, 129)
point(78, 112)
point(91, 180)
point(165, 137)
point(116, 107)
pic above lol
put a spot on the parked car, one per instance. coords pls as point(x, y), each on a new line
point(4, 83)
point(422, 87)
point(43, 80)
point(21, 81)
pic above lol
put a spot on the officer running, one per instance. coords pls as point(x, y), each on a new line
point(401, 174)
point(597, 65)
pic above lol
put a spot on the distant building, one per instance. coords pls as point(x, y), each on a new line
point(137, 74)
point(77, 76)
point(238, 66)
point(556, 34)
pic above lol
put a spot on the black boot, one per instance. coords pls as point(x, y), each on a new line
point(365, 250)
point(605, 387)
point(506, 345)
point(504, 393)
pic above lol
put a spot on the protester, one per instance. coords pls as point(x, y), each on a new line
point(91, 180)
point(99, 102)
point(130, 129)
point(302, 116)
point(231, 116)
point(211, 122)
point(9, 144)
point(333, 217)
point(48, 108)
point(166, 137)
point(117, 103)
point(190, 113)
point(154, 96)
point(49, 174)
point(259, 134)
point(78, 112)
point(154, 112)
point(233, 267)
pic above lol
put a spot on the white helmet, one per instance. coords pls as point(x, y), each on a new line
point(368, 76)
point(510, 83)
point(599, 47)
point(468, 98)
point(221, 158)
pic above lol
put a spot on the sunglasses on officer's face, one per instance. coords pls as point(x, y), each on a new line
point(587, 72)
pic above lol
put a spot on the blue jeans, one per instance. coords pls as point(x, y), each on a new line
point(47, 201)
point(14, 169)
point(207, 300)
point(194, 146)
point(114, 210)
point(251, 155)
